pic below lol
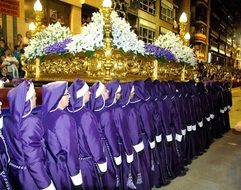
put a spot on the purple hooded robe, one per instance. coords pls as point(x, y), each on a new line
point(160, 176)
point(111, 179)
point(145, 122)
point(61, 138)
point(123, 136)
point(23, 133)
point(90, 146)
point(139, 165)
point(4, 159)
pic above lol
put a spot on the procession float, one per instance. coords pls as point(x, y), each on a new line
point(105, 49)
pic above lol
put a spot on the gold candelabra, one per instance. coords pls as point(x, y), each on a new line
point(106, 12)
point(36, 26)
point(182, 26)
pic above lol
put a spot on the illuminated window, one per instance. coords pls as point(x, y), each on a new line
point(167, 12)
point(146, 34)
point(148, 6)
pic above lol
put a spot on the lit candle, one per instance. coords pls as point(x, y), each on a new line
point(37, 6)
point(183, 17)
point(107, 3)
point(187, 36)
point(32, 26)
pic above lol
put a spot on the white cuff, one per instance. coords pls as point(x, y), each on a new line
point(169, 138)
point(221, 111)
point(178, 137)
point(208, 118)
point(50, 187)
point(200, 124)
point(118, 160)
point(189, 128)
point(1, 122)
point(212, 116)
point(129, 158)
point(159, 138)
point(103, 167)
point(229, 107)
point(184, 131)
point(226, 108)
point(139, 147)
point(77, 179)
point(152, 144)
point(194, 127)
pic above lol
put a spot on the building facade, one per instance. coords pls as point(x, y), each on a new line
point(222, 45)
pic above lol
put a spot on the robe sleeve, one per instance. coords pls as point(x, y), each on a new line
point(165, 120)
point(90, 128)
point(66, 132)
point(175, 116)
point(147, 121)
point(121, 125)
point(157, 122)
point(134, 130)
point(31, 137)
point(111, 135)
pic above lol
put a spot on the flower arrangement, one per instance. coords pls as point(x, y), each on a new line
point(56, 39)
point(161, 54)
point(90, 38)
point(123, 37)
point(50, 35)
point(173, 43)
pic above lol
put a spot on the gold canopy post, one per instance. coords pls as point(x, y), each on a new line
point(106, 12)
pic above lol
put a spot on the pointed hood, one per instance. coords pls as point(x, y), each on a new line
point(97, 101)
point(19, 99)
point(140, 92)
point(52, 94)
point(77, 91)
point(114, 88)
point(126, 89)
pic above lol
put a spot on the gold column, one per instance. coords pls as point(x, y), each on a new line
point(75, 19)
point(106, 12)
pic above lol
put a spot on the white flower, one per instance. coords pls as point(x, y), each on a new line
point(174, 44)
point(91, 36)
point(123, 37)
point(50, 35)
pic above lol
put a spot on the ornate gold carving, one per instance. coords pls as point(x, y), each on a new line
point(125, 66)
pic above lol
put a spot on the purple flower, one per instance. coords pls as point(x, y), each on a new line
point(57, 48)
point(160, 53)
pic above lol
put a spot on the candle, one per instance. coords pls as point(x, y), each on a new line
point(107, 3)
point(38, 6)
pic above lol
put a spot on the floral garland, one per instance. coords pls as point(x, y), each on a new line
point(50, 35)
point(173, 43)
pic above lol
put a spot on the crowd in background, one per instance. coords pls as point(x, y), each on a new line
point(10, 58)
point(217, 72)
